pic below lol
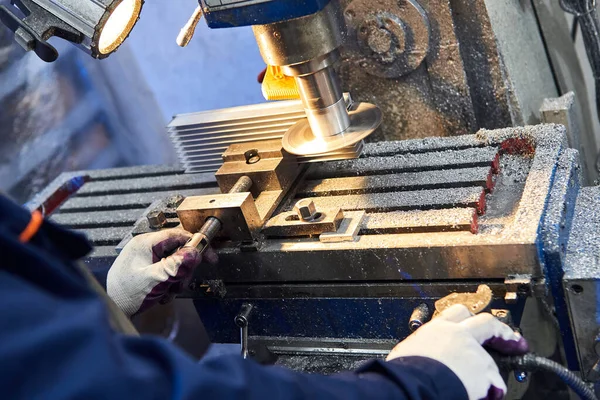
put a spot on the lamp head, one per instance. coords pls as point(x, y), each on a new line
point(98, 27)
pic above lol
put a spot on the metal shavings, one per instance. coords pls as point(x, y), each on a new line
point(420, 221)
point(477, 157)
point(404, 181)
point(583, 251)
point(404, 201)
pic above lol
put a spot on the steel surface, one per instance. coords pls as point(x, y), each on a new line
point(451, 219)
point(505, 242)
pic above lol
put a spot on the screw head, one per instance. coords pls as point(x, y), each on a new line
point(306, 209)
point(521, 376)
point(252, 156)
point(414, 325)
point(156, 219)
point(380, 40)
point(241, 321)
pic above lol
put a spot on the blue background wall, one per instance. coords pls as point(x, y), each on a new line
point(218, 68)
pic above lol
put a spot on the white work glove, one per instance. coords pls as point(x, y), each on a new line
point(456, 339)
point(150, 269)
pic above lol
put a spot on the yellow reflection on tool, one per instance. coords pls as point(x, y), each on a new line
point(277, 86)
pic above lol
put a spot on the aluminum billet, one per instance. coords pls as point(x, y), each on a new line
point(201, 138)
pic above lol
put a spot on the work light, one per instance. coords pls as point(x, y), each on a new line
point(98, 27)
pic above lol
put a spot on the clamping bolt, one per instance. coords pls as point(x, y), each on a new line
point(156, 219)
point(306, 210)
point(419, 316)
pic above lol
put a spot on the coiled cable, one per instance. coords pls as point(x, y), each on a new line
point(531, 362)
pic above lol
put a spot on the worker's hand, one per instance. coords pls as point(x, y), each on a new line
point(150, 269)
point(456, 339)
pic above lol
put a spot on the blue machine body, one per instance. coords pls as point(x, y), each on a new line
point(234, 13)
point(554, 241)
point(343, 318)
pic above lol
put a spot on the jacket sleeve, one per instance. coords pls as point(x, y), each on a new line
point(57, 348)
point(56, 343)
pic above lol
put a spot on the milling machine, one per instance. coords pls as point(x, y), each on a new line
point(332, 250)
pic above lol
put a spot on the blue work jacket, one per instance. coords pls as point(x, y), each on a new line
point(56, 342)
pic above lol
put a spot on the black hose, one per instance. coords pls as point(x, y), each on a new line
point(531, 362)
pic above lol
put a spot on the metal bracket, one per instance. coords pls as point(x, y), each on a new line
point(289, 224)
point(475, 302)
point(348, 230)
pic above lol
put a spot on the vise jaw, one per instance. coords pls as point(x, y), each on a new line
point(243, 214)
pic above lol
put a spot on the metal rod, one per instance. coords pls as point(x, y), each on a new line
point(242, 185)
point(320, 89)
point(241, 320)
point(201, 239)
point(330, 121)
point(324, 104)
point(211, 227)
point(187, 32)
point(244, 341)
